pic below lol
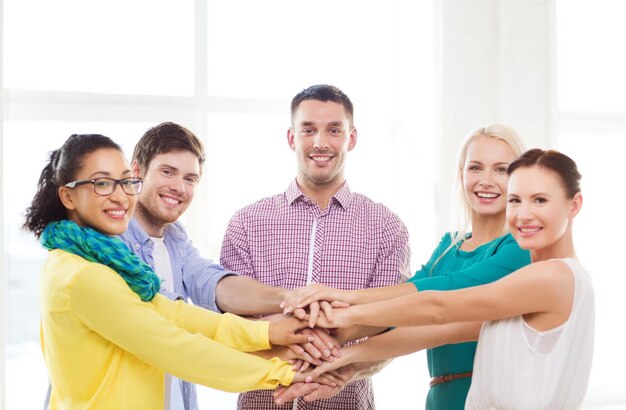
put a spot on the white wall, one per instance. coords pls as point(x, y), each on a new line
point(494, 63)
point(3, 279)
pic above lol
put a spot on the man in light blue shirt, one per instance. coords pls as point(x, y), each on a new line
point(169, 158)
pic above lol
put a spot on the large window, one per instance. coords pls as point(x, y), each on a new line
point(591, 67)
point(226, 70)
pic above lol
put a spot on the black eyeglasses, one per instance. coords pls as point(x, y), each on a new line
point(106, 186)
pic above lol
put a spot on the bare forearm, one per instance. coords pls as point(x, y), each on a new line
point(405, 340)
point(247, 297)
point(417, 309)
point(371, 295)
point(349, 334)
point(366, 358)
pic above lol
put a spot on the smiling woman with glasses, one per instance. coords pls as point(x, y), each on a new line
point(107, 335)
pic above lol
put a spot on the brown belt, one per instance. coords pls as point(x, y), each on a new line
point(448, 378)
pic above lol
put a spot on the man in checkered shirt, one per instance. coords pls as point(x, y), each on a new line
point(318, 230)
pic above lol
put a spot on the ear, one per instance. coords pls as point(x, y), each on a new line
point(290, 138)
point(67, 198)
point(135, 168)
point(352, 139)
point(577, 203)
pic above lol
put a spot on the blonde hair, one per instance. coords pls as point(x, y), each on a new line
point(462, 215)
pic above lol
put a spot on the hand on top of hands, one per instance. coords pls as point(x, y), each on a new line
point(308, 346)
point(316, 297)
point(340, 318)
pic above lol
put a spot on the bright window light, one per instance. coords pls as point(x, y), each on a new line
point(591, 58)
point(115, 47)
point(78, 67)
point(592, 130)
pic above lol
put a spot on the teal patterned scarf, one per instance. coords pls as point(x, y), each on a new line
point(107, 250)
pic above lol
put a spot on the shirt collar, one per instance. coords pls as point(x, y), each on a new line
point(293, 192)
point(343, 196)
point(136, 231)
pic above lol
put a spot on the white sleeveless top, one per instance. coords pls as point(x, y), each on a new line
point(517, 367)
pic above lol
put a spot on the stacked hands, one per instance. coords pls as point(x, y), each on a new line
point(312, 341)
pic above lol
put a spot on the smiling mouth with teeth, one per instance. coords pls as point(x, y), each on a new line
point(487, 195)
point(169, 200)
point(321, 159)
point(529, 230)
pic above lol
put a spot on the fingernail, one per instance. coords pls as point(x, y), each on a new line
point(311, 338)
point(330, 345)
point(308, 379)
point(282, 305)
point(279, 402)
point(326, 353)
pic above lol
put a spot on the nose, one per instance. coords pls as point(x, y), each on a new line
point(177, 185)
point(523, 212)
point(321, 141)
point(486, 179)
point(118, 194)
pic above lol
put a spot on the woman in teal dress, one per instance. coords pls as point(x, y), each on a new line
point(480, 251)
point(458, 269)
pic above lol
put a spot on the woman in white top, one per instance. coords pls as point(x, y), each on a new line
point(536, 342)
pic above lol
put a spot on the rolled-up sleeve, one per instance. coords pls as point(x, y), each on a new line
point(393, 262)
point(200, 278)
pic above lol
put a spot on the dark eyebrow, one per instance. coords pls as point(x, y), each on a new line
point(106, 174)
point(168, 166)
point(330, 124)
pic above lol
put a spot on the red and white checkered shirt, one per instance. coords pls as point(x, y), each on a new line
point(286, 240)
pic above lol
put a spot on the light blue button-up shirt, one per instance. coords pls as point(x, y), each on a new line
point(194, 277)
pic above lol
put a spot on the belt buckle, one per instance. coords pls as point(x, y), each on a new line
point(447, 378)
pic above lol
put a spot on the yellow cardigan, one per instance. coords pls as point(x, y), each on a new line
point(106, 349)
